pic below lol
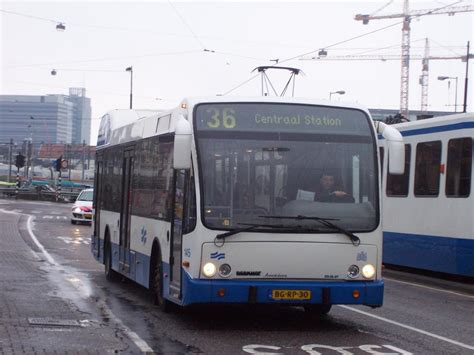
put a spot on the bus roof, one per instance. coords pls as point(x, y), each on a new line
point(121, 126)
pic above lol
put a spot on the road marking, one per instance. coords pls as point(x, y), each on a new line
point(76, 240)
point(139, 342)
point(38, 244)
point(429, 288)
point(424, 332)
point(55, 217)
point(311, 349)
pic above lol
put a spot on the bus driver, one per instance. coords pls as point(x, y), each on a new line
point(328, 192)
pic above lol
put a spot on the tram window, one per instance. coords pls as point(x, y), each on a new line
point(427, 168)
point(458, 173)
point(397, 185)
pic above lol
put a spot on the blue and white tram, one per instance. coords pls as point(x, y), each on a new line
point(214, 202)
point(428, 211)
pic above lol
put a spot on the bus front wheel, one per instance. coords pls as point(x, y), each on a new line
point(157, 284)
point(317, 309)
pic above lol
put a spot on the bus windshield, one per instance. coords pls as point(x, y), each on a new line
point(261, 159)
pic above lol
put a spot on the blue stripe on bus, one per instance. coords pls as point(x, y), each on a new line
point(427, 252)
point(437, 129)
point(237, 291)
point(139, 264)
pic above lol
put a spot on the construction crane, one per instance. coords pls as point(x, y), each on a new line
point(425, 59)
point(405, 56)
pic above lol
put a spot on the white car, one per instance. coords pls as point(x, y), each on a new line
point(82, 208)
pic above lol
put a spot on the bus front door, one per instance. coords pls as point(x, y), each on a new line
point(124, 257)
point(177, 233)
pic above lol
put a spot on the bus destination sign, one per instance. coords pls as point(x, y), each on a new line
point(280, 117)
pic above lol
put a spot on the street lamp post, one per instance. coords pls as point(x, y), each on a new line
point(130, 69)
point(339, 92)
point(456, 92)
point(30, 170)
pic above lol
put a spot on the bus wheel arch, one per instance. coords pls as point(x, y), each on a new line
point(156, 278)
point(110, 274)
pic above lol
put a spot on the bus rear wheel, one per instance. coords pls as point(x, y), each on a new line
point(157, 285)
point(317, 309)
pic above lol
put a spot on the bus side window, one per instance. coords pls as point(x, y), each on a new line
point(397, 185)
point(459, 167)
point(427, 168)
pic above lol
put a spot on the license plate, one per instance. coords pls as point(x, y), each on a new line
point(291, 294)
point(88, 216)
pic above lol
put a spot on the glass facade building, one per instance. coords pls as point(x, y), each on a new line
point(46, 119)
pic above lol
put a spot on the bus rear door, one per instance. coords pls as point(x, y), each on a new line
point(125, 213)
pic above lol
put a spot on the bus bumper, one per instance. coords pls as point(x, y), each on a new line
point(370, 293)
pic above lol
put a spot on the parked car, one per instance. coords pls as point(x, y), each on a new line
point(82, 208)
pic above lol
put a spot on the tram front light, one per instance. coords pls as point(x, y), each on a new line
point(368, 271)
point(209, 269)
point(353, 271)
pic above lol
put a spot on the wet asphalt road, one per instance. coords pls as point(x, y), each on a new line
point(420, 315)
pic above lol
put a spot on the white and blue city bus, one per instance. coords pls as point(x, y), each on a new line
point(216, 201)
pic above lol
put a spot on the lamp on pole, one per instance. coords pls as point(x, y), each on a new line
point(130, 69)
point(339, 92)
point(449, 84)
point(30, 165)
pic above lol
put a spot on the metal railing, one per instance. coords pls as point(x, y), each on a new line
point(38, 195)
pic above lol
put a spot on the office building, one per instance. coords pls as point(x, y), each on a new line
point(46, 119)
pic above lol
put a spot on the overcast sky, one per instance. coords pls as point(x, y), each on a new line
point(180, 49)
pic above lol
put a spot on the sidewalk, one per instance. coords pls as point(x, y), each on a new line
point(33, 319)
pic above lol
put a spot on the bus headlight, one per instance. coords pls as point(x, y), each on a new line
point(209, 269)
point(224, 270)
point(368, 271)
point(353, 271)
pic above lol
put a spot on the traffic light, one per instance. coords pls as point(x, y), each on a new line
point(57, 163)
point(20, 161)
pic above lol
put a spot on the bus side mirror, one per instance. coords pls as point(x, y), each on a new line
point(396, 148)
point(182, 144)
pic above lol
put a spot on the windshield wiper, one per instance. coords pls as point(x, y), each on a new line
point(324, 221)
point(250, 226)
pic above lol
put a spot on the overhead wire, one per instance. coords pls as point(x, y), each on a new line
point(127, 29)
point(200, 42)
point(369, 33)
point(380, 9)
point(445, 47)
point(30, 16)
point(242, 84)
point(203, 47)
point(104, 59)
point(106, 93)
point(345, 41)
